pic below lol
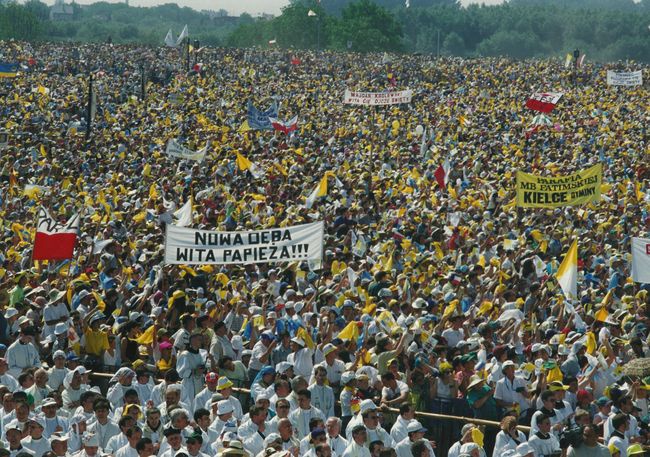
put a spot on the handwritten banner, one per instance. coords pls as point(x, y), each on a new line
point(377, 98)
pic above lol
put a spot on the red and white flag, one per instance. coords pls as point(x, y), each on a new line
point(544, 102)
point(285, 126)
point(442, 174)
point(54, 241)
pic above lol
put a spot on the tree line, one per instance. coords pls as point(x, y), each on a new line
point(605, 30)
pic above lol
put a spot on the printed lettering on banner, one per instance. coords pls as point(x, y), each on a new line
point(553, 192)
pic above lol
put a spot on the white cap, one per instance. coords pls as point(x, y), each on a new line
point(90, 439)
point(347, 376)
point(224, 407)
point(367, 405)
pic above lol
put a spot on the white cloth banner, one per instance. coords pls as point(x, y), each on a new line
point(624, 78)
point(174, 149)
point(377, 98)
point(188, 246)
point(641, 260)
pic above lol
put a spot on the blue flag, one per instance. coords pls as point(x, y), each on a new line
point(8, 70)
point(259, 120)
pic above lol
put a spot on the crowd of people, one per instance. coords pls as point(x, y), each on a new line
point(429, 299)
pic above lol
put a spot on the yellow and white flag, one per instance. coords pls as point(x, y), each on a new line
point(567, 274)
point(244, 164)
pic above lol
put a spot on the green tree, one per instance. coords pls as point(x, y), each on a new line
point(453, 45)
point(39, 9)
point(367, 27)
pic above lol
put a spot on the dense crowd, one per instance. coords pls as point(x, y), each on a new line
point(429, 299)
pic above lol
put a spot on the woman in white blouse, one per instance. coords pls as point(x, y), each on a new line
point(509, 437)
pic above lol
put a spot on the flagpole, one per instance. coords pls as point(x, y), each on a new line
point(89, 110)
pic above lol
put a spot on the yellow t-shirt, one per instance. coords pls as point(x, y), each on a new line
point(96, 342)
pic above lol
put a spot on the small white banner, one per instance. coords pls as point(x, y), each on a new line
point(174, 149)
point(188, 246)
point(641, 260)
point(624, 78)
point(377, 98)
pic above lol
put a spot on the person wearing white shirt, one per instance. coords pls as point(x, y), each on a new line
point(509, 437)
point(13, 432)
point(300, 417)
point(90, 444)
point(415, 432)
point(322, 396)
point(7, 379)
point(103, 427)
point(334, 439)
point(174, 441)
point(22, 354)
point(375, 431)
point(455, 334)
point(620, 424)
point(224, 417)
point(357, 446)
point(511, 391)
point(622, 405)
point(133, 435)
point(406, 414)
point(544, 442)
point(394, 391)
point(255, 441)
point(301, 358)
point(205, 396)
point(547, 410)
point(334, 366)
point(118, 441)
point(261, 354)
point(35, 441)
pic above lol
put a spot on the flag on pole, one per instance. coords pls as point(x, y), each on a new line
point(641, 260)
point(53, 240)
point(285, 126)
point(184, 214)
point(567, 274)
point(567, 60)
point(8, 70)
point(244, 164)
point(184, 34)
point(320, 191)
point(544, 102)
point(581, 60)
point(442, 174)
point(423, 144)
point(169, 39)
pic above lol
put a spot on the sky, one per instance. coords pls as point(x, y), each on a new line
point(234, 7)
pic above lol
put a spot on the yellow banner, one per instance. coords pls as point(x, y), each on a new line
point(545, 192)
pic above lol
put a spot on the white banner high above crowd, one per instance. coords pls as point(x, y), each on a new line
point(624, 78)
point(377, 98)
point(188, 246)
point(175, 149)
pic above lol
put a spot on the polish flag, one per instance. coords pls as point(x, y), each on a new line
point(442, 174)
point(544, 102)
point(286, 127)
point(54, 241)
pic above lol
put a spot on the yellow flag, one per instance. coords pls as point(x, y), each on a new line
point(242, 162)
point(146, 171)
point(43, 153)
point(601, 314)
point(244, 127)
point(146, 337)
point(591, 343)
point(302, 334)
point(153, 192)
point(350, 332)
point(452, 192)
point(100, 303)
